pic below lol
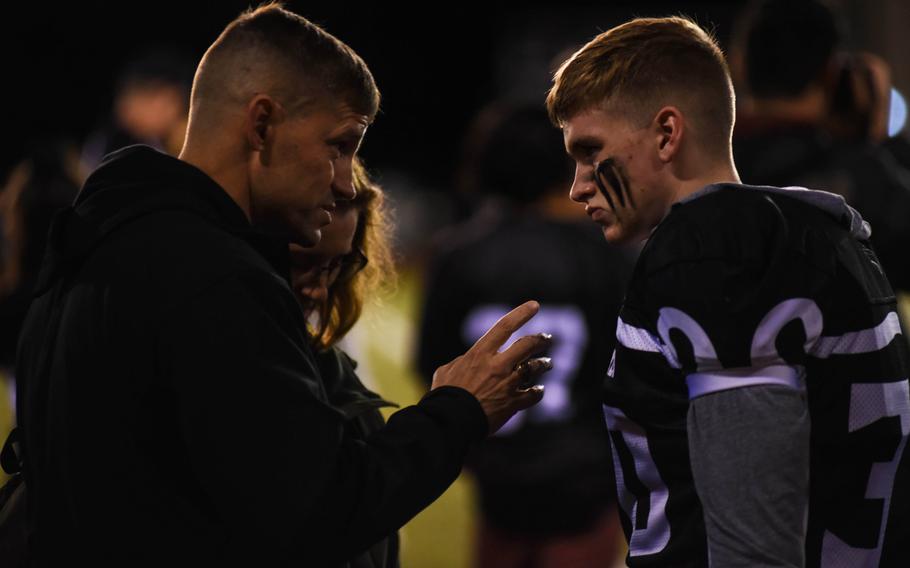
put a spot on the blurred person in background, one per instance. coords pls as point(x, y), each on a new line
point(39, 186)
point(349, 266)
point(151, 101)
point(544, 480)
point(816, 116)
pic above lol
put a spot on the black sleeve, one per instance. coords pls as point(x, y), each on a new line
point(882, 194)
point(272, 456)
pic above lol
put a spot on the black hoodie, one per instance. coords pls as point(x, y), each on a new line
point(866, 175)
point(170, 404)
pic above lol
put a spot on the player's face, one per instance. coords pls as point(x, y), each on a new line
point(315, 269)
point(616, 174)
point(304, 168)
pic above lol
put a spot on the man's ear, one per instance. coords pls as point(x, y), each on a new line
point(262, 114)
point(669, 127)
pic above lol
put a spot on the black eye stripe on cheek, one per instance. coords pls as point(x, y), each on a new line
point(624, 184)
point(601, 187)
point(605, 169)
point(619, 183)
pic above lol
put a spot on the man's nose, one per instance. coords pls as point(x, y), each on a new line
point(343, 182)
point(582, 187)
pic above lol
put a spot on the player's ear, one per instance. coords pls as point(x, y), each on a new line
point(668, 127)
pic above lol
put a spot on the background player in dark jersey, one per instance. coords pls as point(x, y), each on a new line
point(817, 116)
point(753, 313)
point(541, 479)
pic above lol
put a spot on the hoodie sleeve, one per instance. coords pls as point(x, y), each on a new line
point(273, 457)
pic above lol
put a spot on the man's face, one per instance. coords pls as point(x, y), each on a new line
point(617, 174)
point(302, 170)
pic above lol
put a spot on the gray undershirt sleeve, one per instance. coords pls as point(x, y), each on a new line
point(749, 449)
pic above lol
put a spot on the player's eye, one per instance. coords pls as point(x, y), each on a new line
point(586, 152)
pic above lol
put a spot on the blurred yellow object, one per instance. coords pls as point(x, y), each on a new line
point(903, 306)
point(7, 412)
point(382, 343)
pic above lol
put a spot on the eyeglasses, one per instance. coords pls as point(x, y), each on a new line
point(342, 268)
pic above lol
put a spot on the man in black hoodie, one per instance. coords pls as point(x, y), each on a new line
point(169, 403)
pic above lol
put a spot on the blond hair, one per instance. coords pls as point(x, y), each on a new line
point(344, 305)
point(639, 67)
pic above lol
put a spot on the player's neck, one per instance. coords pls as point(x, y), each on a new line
point(722, 172)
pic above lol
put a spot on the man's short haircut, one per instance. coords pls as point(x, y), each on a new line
point(638, 67)
point(273, 51)
point(788, 45)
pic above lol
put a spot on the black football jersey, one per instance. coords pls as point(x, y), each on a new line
point(742, 286)
point(544, 472)
point(867, 175)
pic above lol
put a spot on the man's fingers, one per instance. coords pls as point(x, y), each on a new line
point(530, 396)
point(527, 346)
point(508, 324)
point(520, 400)
point(528, 371)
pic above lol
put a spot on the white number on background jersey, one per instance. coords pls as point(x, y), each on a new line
point(570, 338)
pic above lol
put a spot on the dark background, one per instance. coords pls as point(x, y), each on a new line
point(435, 65)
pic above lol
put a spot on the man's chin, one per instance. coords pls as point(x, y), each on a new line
point(308, 238)
point(612, 233)
point(616, 234)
